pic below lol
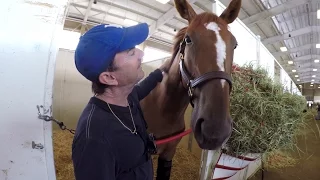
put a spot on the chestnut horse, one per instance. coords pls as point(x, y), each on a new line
point(199, 74)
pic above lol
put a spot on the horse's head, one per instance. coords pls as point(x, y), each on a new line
point(206, 57)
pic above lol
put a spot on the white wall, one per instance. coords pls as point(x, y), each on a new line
point(285, 80)
point(28, 47)
point(250, 49)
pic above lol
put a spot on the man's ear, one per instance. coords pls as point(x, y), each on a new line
point(108, 79)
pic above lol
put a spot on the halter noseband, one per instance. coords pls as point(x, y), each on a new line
point(193, 83)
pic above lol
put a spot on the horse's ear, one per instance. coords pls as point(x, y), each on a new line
point(185, 9)
point(232, 11)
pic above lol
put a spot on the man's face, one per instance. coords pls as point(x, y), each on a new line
point(128, 67)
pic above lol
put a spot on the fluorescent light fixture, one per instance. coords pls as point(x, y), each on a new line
point(312, 79)
point(293, 70)
point(290, 62)
point(311, 85)
point(314, 69)
point(318, 87)
point(300, 85)
point(130, 22)
point(163, 1)
point(296, 76)
point(298, 80)
point(318, 14)
point(316, 60)
point(283, 49)
point(317, 45)
point(313, 75)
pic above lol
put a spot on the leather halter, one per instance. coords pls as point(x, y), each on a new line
point(193, 83)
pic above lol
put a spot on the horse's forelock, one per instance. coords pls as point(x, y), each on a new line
point(202, 18)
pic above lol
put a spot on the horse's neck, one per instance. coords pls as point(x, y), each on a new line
point(175, 98)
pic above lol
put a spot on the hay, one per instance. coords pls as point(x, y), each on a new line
point(185, 164)
point(265, 116)
point(279, 159)
point(62, 143)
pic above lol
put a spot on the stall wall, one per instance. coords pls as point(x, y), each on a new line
point(285, 80)
point(71, 90)
point(28, 51)
point(250, 49)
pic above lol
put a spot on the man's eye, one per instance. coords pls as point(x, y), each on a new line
point(131, 52)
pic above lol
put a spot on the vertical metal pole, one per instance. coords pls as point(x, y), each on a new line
point(209, 159)
point(85, 19)
point(258, 50)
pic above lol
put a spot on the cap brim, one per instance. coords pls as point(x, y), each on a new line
point(134, 35)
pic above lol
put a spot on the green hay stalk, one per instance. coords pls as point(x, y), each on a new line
point(265, 116)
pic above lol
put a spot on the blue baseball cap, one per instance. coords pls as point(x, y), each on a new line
point(98, 46)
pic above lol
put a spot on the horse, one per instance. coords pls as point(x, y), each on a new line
point(199, 74)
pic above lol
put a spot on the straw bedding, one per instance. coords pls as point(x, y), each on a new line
point(266, 117)
point(185, 164)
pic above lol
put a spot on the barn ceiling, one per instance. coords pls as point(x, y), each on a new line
point(292, 24)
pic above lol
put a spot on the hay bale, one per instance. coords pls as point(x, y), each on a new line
point(266, 117)
point(185, 164)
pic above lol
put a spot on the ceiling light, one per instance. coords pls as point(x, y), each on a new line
point(318, 14)
point(283, 49)
point(130, 22)
point(316, 60)
point(312, 80)
point(311, 85)
point(296, 76)
point(300, 85)
point(293, 70)
point(313, 76)
point(290, 62)
point(317, 45)
point(298, 80)
point(163, 1)
point(314, 69)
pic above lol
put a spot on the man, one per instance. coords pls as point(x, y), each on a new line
point(111, 141)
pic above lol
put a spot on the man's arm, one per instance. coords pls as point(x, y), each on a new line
point(148, 84)
point(94, 160)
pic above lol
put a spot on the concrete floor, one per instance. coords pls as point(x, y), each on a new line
point(308, 165)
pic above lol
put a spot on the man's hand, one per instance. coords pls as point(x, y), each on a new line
point(165, 66)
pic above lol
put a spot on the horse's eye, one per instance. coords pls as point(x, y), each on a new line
point(188, 40)
point(235, 46)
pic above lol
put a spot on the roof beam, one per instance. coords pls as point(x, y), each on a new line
point(289, 35)
point(85, 19)
point(287, 20)
point(165, 18)
point(303, 58)
point(294, 50)
point(273, 11)
point(308, 77)
point(304, 70)
point(117, 6)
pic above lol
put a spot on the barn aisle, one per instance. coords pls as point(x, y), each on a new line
point(307, 166)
